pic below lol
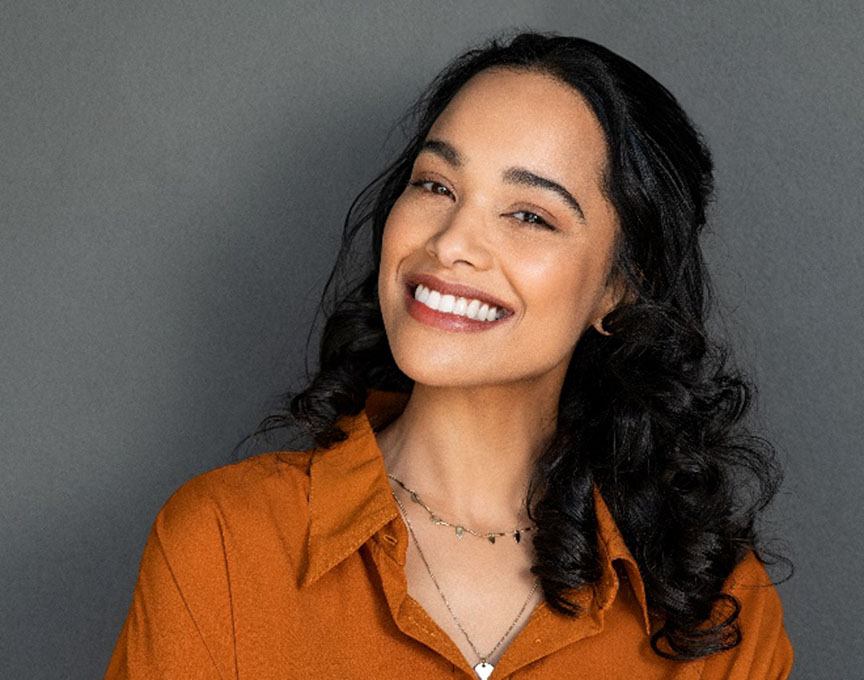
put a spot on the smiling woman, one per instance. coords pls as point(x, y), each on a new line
point(502, 153)
point(529, 457)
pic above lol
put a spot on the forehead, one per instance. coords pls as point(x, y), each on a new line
point(504, 116)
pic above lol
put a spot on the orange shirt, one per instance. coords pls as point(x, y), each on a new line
point(291, 565)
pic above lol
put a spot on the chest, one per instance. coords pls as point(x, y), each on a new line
point(481, 595)
point(369, 617)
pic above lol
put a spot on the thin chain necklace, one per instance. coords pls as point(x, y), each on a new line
point(461, 529)
point(483, 669)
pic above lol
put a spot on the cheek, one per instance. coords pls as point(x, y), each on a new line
point(565, 288)
point(397, 242)
point(398, 229)
point(406, 231)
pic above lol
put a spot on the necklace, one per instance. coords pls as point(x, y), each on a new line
point(461, 529)
point(483, 669)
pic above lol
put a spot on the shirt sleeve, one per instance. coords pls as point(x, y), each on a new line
point(765, 652)
point(179, 622)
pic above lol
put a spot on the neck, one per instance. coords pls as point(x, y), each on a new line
point(470, 452)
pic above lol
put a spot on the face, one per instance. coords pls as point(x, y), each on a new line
point(504, 200)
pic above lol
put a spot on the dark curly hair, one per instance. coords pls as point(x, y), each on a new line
point(652, 414)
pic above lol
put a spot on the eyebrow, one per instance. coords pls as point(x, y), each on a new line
point(513, 175)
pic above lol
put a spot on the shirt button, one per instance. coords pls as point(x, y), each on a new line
point(391, 539)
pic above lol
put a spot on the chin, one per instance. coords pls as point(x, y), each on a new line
point(449, 371)
point(421, 369)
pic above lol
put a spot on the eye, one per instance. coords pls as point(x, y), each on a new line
point(431, 186)
point(533, 219)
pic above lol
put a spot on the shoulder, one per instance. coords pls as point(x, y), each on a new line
point(237, 497)
point(750, 571)
point(209, 533)
point(753, 587)
point(765, 650)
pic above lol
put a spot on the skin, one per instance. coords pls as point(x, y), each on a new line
point(483, 404)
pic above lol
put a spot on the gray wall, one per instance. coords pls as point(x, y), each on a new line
point(174, 178)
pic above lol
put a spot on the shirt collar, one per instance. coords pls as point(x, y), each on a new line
point(350, 501)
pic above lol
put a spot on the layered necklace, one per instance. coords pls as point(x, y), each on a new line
point(483, 668)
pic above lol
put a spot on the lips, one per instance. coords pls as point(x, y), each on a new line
point(455, 289)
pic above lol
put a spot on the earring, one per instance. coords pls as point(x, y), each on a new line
point(598, 326)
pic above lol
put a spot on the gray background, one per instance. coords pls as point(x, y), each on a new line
point(174, 179)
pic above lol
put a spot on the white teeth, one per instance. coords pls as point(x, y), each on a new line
point(446, 304)
point(473, 309)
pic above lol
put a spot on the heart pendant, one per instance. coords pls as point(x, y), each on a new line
point(483, 670)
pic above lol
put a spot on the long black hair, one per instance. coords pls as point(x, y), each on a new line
point(653, 414)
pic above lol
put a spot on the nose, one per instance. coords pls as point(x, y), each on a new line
point(461, 236)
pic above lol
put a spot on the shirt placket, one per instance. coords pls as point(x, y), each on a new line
point(544, 634)
point(388, 549)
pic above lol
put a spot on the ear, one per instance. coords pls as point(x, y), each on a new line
point(616, 294)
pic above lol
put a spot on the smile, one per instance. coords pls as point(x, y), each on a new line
point(433, 311)
point(460, 306)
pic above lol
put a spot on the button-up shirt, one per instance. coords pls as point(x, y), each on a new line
point(291, 564)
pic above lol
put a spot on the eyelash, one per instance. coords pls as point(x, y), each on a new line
point(540, 223)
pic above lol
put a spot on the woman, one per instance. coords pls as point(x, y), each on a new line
point(529, 457)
